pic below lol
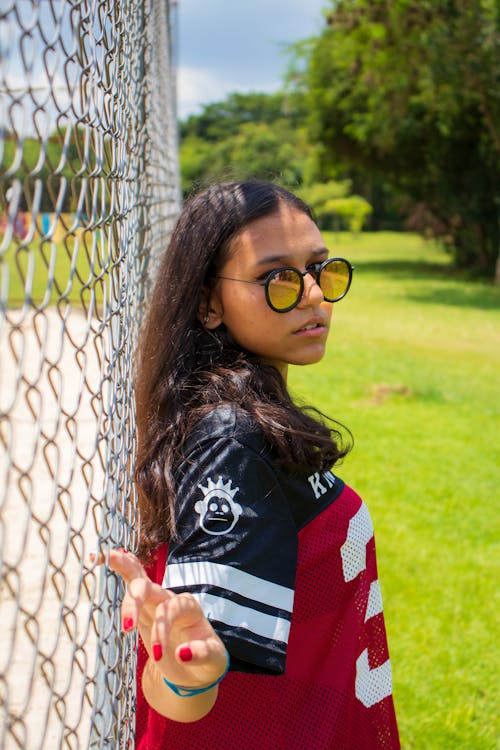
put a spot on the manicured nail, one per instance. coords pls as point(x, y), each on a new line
point(128, 623)
point(122, 549)
point(157, 651)
point(185, 653)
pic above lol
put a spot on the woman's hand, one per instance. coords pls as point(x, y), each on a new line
point(180, 641)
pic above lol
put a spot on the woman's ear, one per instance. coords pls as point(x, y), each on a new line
point(210, 308)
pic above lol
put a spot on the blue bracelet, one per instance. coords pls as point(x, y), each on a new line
point(185, 692)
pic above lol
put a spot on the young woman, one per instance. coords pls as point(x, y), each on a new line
point(259, 613)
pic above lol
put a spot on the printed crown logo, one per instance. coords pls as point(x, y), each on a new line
point(217, 487)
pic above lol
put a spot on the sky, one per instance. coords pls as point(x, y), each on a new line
point(237, 45)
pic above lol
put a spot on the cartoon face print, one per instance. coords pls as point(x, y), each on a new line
point(218, 512)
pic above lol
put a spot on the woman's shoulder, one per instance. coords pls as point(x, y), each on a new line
point(225, 422)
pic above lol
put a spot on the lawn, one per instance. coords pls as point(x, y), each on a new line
point(413, 370)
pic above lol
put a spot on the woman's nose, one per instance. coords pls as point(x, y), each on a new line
point(312, 291)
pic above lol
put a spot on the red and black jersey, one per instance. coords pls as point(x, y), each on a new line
point(284, 567)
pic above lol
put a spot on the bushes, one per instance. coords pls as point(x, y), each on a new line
point(334, 207)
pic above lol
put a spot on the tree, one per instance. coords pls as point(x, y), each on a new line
point(247, 135)
point(221, 120)
point(334, 207)
point(409, 90)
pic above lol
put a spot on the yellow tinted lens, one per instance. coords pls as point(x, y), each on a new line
point(284, 289)
point(334, 279)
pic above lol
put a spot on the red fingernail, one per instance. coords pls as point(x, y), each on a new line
point(157, 651)
point(122, 549)
point(185, 653)
point(128, 623)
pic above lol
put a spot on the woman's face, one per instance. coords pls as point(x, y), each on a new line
point(285, 238)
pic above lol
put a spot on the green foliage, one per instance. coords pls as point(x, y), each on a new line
point(412, 369)
point(256, 149)
point(333, 206)
point(353, 209)
point(221, 120)
point(196, 161)
point(409, 91)
point(258, 135)
point(318, 194)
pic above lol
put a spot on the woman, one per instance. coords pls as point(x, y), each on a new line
point(260, 613)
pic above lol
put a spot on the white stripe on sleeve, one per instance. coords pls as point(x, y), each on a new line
point(180, 575)
point(237, 616)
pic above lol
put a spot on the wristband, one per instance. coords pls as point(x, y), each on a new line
point(186, 692)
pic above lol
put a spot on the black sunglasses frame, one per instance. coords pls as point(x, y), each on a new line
point(313, 269)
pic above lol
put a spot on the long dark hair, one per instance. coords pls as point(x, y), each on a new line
point(183, 369)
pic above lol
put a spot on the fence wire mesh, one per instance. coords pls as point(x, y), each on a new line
point(88, 192)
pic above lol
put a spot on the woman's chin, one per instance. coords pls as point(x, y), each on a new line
point(311, 358)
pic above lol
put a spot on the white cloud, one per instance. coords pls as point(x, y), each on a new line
point(199, 86)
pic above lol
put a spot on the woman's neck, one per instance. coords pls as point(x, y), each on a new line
point(282, 367)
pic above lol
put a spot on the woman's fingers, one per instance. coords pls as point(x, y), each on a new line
point(177, 617)
point(141, 592)
point(121, 561)
point(183, 640)
point(211, 651)
point(173, 627)
point(141, 597)
point(126, 564)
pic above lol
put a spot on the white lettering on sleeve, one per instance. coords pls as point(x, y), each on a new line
point(315, 482)
point(330, 478)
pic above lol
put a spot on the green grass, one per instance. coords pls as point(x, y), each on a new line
point(413, 370)
point(43, 272)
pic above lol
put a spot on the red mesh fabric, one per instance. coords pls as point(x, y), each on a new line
point(336, 692)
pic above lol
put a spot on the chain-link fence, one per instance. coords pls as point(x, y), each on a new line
point(88, 191)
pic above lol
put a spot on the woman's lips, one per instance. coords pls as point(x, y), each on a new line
point(312, 327)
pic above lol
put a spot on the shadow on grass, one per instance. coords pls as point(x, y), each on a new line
point(475, 295)
point(457, 289)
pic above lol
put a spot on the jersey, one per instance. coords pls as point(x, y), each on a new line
point(284, 566)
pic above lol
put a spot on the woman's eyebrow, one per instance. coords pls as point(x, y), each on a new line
point(286, 258)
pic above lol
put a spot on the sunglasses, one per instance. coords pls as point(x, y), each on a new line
point(284, 287)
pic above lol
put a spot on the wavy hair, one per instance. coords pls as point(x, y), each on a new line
point(182, 369)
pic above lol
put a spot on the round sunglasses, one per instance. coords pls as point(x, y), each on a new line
point(284, 287)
